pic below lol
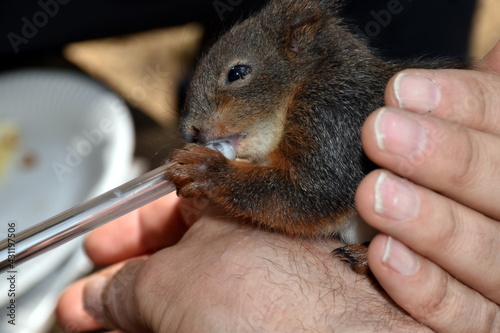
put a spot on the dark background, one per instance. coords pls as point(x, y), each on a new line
point(428, 28)
point(424, 27)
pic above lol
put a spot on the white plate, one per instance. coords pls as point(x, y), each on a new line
point(76, 141)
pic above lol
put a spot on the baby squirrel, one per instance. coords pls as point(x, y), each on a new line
point(290, 87)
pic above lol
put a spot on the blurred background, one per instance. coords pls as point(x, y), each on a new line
point(124, 41)
point(90, 89)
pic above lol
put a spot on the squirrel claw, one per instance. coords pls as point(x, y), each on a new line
point(355, 256)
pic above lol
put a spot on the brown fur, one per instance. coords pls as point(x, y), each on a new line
point(296, 117)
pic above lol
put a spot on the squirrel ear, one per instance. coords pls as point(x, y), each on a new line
point(301, 21)
point(302, 35)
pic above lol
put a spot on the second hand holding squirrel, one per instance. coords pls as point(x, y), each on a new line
point(96, 212)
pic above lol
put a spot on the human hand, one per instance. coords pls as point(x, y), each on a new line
point(446, 142)
point(222, 276)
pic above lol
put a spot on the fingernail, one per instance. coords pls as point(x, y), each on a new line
point(400, 258)
point(399, 134)
point(395, 198)
point(92, 297)
point(416, 93)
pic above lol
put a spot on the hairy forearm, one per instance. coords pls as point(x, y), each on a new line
point(293, 284)
point(223, 276)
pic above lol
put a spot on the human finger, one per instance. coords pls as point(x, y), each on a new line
point(454, 160)
point(110, 297)
point(466, 97)
point(70, 312)
point(428, 293)
point(460, 240)
point(154, 226)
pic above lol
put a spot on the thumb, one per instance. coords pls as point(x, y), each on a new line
point(110, 298)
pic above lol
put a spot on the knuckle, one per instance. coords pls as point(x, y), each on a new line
point(487, 102)
point(445, 306)
point(449, 235)
point(436, 301)
point(469, 164)
point(475, 102)
point(446, 231)
point(478, 103)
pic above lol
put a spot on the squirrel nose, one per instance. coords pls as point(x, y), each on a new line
point(195, 135)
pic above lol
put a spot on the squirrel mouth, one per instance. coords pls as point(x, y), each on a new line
point(228, 146)
point(224, 146)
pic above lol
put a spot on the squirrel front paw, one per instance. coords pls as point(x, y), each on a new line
point(194, 170)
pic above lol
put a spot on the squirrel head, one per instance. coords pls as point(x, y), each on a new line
point(243, 87)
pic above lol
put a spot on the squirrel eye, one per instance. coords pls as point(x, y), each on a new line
point(238, 72)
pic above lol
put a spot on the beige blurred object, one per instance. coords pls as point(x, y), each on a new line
point(9, 139)
point(486, 27)
point(145, 68)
